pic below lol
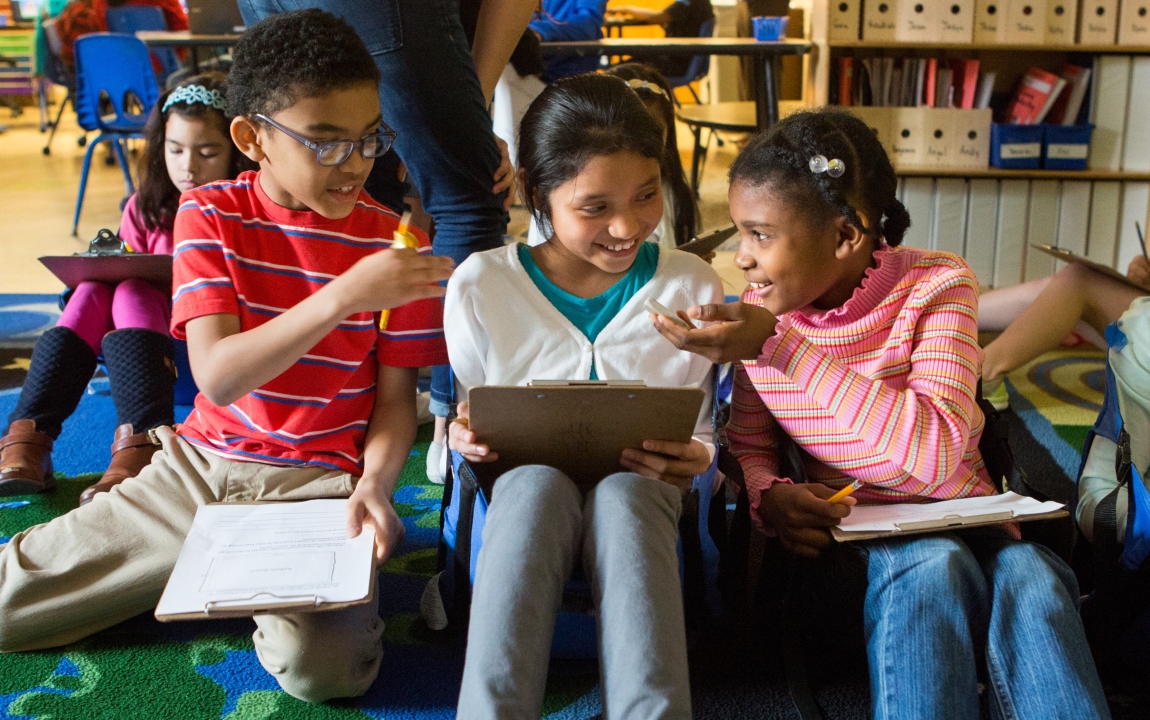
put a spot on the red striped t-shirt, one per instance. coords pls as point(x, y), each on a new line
point(237, 252)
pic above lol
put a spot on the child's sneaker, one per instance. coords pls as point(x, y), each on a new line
point(998, 398)
point(436, 465)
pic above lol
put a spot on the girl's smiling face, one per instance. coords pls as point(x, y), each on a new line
point(790, 260)
point(197, 150)
point(603, 214)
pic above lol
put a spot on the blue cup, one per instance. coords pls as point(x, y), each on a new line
point(769, 28)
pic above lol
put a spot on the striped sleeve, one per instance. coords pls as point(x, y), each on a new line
point(413, 336)
point(752, 434)
point(201, 281)
point(922, 430)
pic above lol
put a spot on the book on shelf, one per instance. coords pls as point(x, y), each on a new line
point(1069, 102)
point(1030, 96)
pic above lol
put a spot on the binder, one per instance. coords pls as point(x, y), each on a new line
point(1098, 23)
point(1061, 21)
point(918, 197)
point(1010, 235)
point(956, 21)
point(981, 221)
point(1134, 23)
point(938, 136)
point(1042, 227)
point(845, 20)
point(1136, 138)
point(1108, 111)
point(971, 134)
point(1135, 201)
point(917, 21)
point(990, 21)
point(879, 120)
point(950, 215)
point(1026, 22)
point(1102, 236)
point(1073, 220)
point(879, 20)
point(907, 141)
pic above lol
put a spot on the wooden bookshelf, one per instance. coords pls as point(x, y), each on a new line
point(991, 47)
point(1001, 174)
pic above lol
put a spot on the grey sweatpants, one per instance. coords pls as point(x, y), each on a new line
point(626, 530)
point(109, 560)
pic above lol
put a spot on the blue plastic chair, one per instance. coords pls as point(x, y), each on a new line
point(113, 67)
point(699, 66)
point(130, 19)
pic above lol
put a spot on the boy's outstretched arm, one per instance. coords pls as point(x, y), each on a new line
point(390, 435)
point(228, 363)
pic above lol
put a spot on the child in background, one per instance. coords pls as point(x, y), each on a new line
point(188, 145)
point(279, 278)
point(866, 354)
point(682, 18)
point(572, 309)
point(680, 213)
point(1035, 317)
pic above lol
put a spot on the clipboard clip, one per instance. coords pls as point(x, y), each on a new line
point(107, 242)
point(260, 607)
point(955, 520)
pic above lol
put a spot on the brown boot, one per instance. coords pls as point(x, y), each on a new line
point(25, 460)
point(131, 453)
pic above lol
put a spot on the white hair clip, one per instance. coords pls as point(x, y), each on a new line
point(191, 94)
point(833, 167)
point(636, 84)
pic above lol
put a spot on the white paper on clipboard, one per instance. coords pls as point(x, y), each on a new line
point(250, 558)
point(903, 518)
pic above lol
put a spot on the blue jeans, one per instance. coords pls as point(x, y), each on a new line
point(430, 95)
point(934, 603)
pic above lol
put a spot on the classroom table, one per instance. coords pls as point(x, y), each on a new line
point(186, 39)
point(766, 88)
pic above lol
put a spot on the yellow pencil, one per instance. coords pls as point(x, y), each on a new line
point(842, 494)
point(401, 238)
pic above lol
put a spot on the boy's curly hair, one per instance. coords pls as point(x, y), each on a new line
point(295, 55)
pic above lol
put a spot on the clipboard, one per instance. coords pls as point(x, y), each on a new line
point(705, 244)
point(898, 520)
point(580, 427)
point(109, 260)
point(191, 563)
point(1067, 256)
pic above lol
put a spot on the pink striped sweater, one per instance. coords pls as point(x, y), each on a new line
point(881, 389)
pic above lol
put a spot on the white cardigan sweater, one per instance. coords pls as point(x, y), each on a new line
point(501, 330)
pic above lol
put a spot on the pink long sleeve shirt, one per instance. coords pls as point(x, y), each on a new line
point(881, 389)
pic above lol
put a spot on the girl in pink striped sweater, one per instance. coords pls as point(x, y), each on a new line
point(867, 355)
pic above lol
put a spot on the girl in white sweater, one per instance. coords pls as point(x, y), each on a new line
point(572, 309)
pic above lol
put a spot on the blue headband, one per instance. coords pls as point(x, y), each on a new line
point(191, 94)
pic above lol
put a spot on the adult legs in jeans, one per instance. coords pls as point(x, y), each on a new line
point(535, 525)
point(932, 600)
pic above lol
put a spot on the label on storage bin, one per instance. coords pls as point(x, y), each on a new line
point(1019, 151)
point(1067, 151)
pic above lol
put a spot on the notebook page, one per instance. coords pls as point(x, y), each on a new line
point(884, 518)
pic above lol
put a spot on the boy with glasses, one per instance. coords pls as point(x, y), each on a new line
point(279, 278)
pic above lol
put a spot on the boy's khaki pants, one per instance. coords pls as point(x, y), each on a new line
point(110, 559)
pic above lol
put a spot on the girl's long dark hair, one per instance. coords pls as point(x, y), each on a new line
point(686, 211)
point(157, 198)
point(572, 121)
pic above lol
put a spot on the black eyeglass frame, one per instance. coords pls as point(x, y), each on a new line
point(319, 148)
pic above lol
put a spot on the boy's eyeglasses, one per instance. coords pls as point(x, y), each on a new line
point(336, 152)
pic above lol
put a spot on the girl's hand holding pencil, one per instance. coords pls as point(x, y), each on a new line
point(803, 515)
